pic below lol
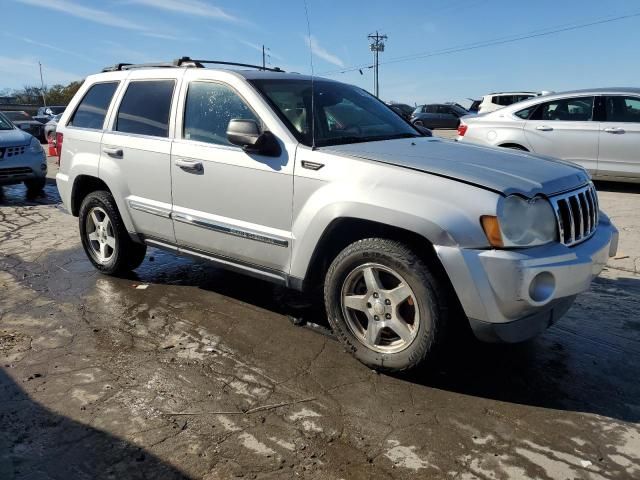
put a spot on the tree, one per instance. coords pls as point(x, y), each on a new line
point(56, 95)
point(62, 94)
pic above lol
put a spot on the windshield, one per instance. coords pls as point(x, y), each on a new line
point(17, 116)
point(5, 124)
point(343, 113)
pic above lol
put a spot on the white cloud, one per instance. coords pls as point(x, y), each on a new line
point(51, 47)
point(190, 7)
point(86, 13)
point(320, 52)
point(18, 72)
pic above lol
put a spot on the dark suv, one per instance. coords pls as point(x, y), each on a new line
point(438, 115)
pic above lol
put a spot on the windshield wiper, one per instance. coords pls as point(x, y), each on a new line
point(372, 138)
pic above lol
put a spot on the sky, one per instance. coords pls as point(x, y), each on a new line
point(434, 52)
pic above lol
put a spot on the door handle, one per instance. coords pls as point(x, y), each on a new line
point(113, 152)
point(615, 130)
point(544, 128)
point(193, 165)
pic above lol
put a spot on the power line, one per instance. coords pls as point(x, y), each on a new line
point(489, 43)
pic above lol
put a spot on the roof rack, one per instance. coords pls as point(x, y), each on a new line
point(185, 62)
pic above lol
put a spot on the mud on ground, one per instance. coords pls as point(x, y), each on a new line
point(200, 374)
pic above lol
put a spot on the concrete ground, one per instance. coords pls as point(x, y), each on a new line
point(183, 370)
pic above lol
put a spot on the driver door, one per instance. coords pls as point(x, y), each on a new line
point(229, 204)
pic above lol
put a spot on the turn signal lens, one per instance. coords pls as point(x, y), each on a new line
point(491, 229)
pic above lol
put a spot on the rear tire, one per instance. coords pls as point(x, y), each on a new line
point(385, 305)
point(104, 237)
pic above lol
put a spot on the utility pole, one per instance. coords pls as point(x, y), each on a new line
point(44, 99)
point(264, 63)
point(376, 46)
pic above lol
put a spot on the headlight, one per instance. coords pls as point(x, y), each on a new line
point(521, 223)
point(34, 146)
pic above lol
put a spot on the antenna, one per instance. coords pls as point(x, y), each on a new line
point(313, 109)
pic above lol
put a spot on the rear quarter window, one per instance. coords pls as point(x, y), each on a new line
point(93, 108)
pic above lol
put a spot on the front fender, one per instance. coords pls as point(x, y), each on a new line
point(443, 211)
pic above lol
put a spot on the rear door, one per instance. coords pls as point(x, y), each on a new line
point(447, 118)
point(564, 128)
point(136, 151)
point(620, 137)
point(84, 129)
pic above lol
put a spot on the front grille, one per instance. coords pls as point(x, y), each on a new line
point(8, 152)
point(576, 214)
point(15, 172)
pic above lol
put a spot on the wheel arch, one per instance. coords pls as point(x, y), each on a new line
point(343, 231)
point(513, 145)
point(83, 185)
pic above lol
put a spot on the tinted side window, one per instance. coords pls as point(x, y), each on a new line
point(208, 110)
point(145, 108)
point(93, 108)
point(623, 109)
point(569, 110)
point(430, 108)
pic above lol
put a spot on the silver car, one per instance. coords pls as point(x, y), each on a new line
point(597, 129)
point(317, 185)
point(22, 158)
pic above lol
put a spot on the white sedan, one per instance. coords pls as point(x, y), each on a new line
point(598, 129)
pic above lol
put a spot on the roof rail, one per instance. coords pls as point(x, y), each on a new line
point(184, 62)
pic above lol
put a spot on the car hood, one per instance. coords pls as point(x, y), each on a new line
point(501, 170)
point(14, 138)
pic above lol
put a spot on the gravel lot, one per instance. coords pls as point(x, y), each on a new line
point(200, 374)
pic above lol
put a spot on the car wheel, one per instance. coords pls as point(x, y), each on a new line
point(35, 186)
point(385, 305)
point(104, 236)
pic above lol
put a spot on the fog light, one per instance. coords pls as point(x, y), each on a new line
point(542, 287)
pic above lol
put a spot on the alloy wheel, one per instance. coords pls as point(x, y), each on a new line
point(100, 235)
point(380, 308)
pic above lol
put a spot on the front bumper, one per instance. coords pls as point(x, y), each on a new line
point(27, 166)
point(512, 295)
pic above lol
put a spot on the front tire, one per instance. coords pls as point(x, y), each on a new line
point(35, 185)
point(385, 305)
point(104, 237)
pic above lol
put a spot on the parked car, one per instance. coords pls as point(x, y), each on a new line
point(23, 121)
point(50, 127)
point(45, 114)
point(496, 101)
point(597, 129)
point(333, 193)
point(22, 158)
point(402, 109)
point(438, 115)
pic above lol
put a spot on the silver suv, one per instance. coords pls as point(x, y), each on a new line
point(314, 183)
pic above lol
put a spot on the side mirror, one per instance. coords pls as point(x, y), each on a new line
point(48, 111)
point(246, 134)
